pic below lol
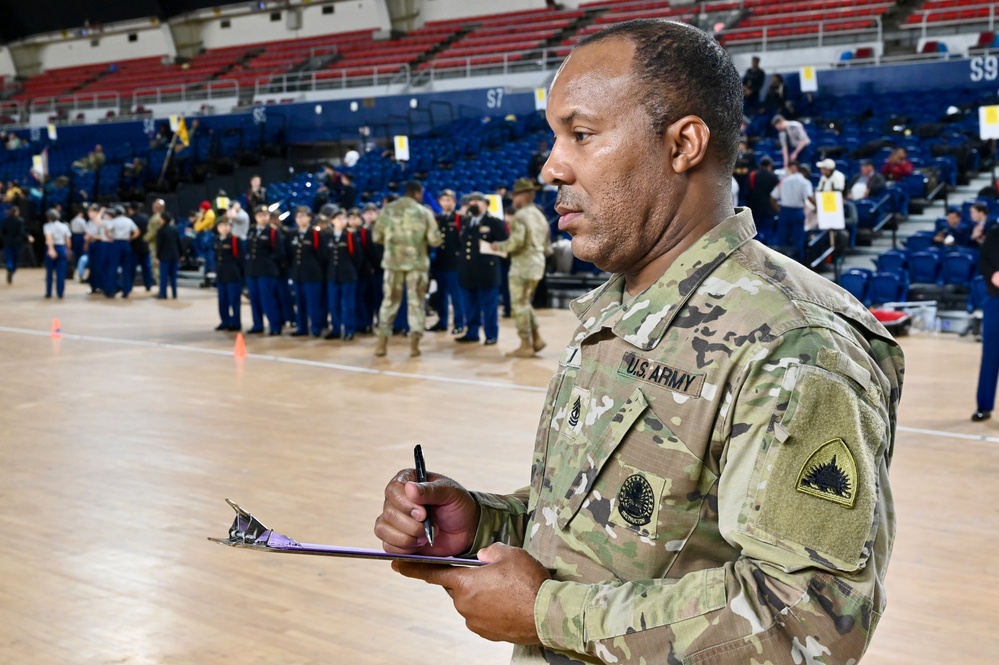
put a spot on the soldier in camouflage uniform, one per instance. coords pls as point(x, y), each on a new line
point(529, 243)
point(406, 229)
point(710, 480)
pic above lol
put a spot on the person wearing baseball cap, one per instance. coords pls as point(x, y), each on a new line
point(832, 180)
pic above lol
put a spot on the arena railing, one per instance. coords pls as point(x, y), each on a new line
point(333, 79)
point(186, 92)
point(767, 32)
point(500, 63)
point(924, 24)
point(64, 105)
point(11, 108)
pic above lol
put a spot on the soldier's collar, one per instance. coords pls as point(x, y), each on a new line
point(643, 322)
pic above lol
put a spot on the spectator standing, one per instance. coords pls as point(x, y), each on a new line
point(988, 373)
point(168, 253)
point(762, 182)
point(752, 84)
point(792, 195)
point(14, 236)
point(256, 195)
point(793, 138)
point(239, 221)
point(140, 248)
point(204, 240)
point(980, 220)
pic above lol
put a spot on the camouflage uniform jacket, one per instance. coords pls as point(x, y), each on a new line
point(528, 244)
point(406, 228)
point(710, 479)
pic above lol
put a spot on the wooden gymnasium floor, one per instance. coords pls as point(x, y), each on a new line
point(121, 439)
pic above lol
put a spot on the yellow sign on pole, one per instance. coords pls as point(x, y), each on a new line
point(402, 148)
point(988, 122)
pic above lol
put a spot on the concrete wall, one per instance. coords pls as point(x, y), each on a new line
point(151, 41)
point(347, 16)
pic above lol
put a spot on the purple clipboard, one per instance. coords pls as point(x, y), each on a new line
point(248, 533)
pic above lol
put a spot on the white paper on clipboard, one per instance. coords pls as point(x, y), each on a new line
point(486, 248)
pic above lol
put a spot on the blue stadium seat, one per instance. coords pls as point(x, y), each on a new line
point(857, 282)
point(888, 287)
point(894, 260)
point(919, 241)
point(924, 267)
point(958, 269)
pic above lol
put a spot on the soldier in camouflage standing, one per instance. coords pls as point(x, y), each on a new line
point(407, 230)
point(529, 243)
point(710, 476)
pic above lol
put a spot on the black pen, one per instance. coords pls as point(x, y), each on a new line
point(421, 476)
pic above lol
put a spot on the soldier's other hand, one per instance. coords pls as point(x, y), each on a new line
point(400, 526)
point(497, 600)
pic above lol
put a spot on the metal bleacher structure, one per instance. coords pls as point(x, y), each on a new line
point(452, 155)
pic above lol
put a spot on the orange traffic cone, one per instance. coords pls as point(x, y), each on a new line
point(56, 330)
point(240, 350)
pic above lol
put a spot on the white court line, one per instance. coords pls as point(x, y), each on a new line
point(280, 359)
point(952, 435)
point(404, 375)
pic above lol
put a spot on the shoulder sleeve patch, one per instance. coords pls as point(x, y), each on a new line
point(816, 490)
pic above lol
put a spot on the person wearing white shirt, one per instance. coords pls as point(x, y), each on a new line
point(57, 233)
point(832, 180)
point(792, 194)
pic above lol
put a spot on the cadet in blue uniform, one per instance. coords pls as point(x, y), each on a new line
point(78, 226)
point(264, 251)
point(229, 264)
point(169, 249)
point(368, 261)
point(97, 248)
point(445, 266)
point(57, 233)
point(479, 274)
point(374, 292)
point(122, 231)
point(285, 298)
point(306, 270)
point(344, 259)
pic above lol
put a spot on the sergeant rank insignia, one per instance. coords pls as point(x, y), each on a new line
point(830, 473)
point(636, 501)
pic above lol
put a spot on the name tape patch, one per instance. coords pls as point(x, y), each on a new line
point(677, 380)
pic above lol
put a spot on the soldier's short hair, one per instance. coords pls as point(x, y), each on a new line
point(413, 188)
point(683, 71)
point(303, 210)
